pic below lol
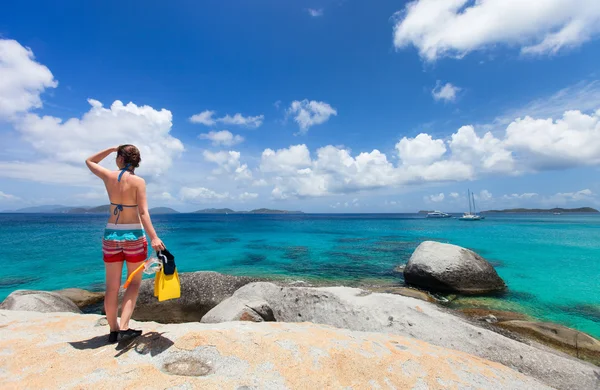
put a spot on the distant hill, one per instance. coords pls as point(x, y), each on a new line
point(425, 211)
point(554, 210)
point(269, 211)
point(42, 209)
point(163, 210)
point(104, 209)
point(215, 211)
point(257, 211)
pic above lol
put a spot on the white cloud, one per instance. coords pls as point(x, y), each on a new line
point(583, 96)
point(75, 139)
point(420, 150)
point(309, 113)
point(49, 172)
point(207, 118)
point(454, 195)
point(201, 195)
point(548, 144)
point(526, 195)
point(446, 92)
point(22, 79)
point(240, 120)
point(486, 152)
point(335, 171)
point(260, 183)
point(574, 196)
point(229, 162)
point(8, 197)
point(284, 161)
point(92, 195)
point(439, 28)
point(248, 196)
point(436, 198)
point(223, 137)
point(315, 12)
point(204, 118)
point(484, 195)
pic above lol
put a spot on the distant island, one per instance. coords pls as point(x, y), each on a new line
point(105, 209)
point(554, 210)
point(256, 211)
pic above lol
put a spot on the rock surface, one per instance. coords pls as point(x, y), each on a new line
point(359, 310)
point(404, 291)
point(200, 292)
point(40, 301)
point(575, 343)
point(450, 268)
point(81, 298)
point(69, 351)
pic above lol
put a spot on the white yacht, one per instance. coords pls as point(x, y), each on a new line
point(472, 214)
point(438, 214)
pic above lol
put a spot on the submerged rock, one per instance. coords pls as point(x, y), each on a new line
point(40, 301)
point(483, 314)
point(241, 355)
point(200, 292)
point(572, 341)
point(81, 298)
point(360, 310)
point(450, 268)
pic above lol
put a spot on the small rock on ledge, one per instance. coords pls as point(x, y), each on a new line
point(40, 301)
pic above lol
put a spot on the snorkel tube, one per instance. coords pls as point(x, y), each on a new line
point(150, 267)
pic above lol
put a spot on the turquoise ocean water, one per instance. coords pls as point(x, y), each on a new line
point(551, 263)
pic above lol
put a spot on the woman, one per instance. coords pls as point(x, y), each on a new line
point(124, 238)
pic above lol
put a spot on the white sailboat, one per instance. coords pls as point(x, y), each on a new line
point(472, 214)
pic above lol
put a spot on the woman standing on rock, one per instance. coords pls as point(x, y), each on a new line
point(124, 238)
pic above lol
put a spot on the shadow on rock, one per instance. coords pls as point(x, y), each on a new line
point(152, 343)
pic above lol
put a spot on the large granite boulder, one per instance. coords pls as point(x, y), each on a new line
point(40, 301)
point(200, 292)
point(68, 351)
point(360, 310)
point(81, 298)
point(450, 268)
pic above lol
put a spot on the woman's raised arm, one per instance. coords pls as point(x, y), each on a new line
point(92, 163)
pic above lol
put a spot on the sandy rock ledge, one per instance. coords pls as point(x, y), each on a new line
point(69, 351)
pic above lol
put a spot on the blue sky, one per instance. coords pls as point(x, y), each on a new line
point(343, 105)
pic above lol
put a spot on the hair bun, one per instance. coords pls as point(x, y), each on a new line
point(130, 154)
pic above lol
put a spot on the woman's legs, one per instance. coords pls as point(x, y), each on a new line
point(111, 300)
point(131, 295)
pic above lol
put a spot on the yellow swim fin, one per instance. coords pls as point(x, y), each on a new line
point(169, 287)
point(157, 281)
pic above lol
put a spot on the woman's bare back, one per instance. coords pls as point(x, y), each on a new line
point(123, 193)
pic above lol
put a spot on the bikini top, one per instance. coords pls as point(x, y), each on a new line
point(119, 207)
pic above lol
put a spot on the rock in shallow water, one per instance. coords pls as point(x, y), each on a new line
point(40, 301)
point(450, 268)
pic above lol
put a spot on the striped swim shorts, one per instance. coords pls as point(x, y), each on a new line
point(124, 242)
